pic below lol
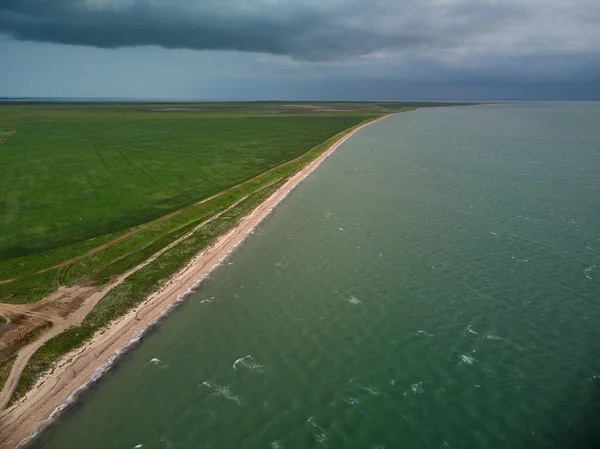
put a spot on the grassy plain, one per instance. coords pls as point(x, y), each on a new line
point(5, 367)
point(66, 181)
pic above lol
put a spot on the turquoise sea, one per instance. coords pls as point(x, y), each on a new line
point(433, 284)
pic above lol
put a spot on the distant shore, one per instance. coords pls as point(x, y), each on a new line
point(58, 389)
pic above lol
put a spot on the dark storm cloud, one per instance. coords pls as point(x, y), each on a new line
point(308, 30)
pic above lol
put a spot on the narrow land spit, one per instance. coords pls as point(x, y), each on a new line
point(57, 389)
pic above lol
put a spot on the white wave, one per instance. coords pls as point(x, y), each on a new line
point(159, 363)
point(426, 333)
point(371, 389)
point(320, 434)
point(224, 391)
point(350, 400)
point(139, 446)
point(416, 388)
point(353, 300)
point(240, 360)
point(275, 445)
point(471, 331)
point(248, 362)
point(493, 337)
point(341, 229)
point(466, 359)
point(321, 438)
point(588, 270)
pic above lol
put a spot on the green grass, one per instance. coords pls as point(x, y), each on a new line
point(5, 368)
point(148, 279)
point(31, 288)
point(22, 266)
point(69, 179)
point(136, 166)
point(101, 266)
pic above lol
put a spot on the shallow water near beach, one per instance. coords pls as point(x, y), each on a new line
point(435, 283)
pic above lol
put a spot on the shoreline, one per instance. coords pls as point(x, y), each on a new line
point(57, 390)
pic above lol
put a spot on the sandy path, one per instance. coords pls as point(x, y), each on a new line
point(58, 389)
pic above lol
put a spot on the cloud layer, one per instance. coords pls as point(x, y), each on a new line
point(301, 48)
point(316, 30)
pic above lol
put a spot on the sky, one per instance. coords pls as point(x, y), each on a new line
point(301, 49)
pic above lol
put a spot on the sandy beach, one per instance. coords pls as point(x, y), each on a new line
point(58, 389)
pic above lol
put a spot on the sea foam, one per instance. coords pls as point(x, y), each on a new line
point(248, 362)
point(224, 391)
point(353, 300)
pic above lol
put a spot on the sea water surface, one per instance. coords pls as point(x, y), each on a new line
point(434, 284)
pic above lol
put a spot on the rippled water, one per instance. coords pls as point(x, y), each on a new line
point(434, 284)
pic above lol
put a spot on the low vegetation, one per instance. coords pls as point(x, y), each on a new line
point(7, 360)
point(5, 368)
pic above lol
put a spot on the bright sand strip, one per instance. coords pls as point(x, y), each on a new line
point(58, 389)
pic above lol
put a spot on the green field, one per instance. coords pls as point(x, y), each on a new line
point(90, 191)
point(70, 180)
